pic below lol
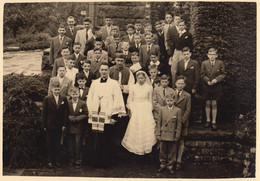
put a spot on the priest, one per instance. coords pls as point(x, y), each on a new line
point(105, 105)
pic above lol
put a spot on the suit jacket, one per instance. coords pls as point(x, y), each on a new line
point(104, 55)
point(145, 56)
point(109, 40)
point(209, 72)
point(84, 95)
point(154, 41)
point(78, 61)
point(56, 47)
point(192, 74)
point(126, 38)
point(54, 116)
point(57, 63)
point(169, 123)
point(171, 39)
point(184, 103)
point(64, 87)
point(161, 44)
point(83, 39)
point(185, 40)
point(128, 61)
point(94, 67)
point(134, 48)
point(71, 35)
point(104, 32)
point(161, 68)
point(111, 52)
point(90, 78)
point(159, 98)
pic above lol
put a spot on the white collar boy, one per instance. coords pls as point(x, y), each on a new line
point(156, 63)
point(74, 104)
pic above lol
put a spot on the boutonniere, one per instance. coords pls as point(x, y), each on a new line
point(67, 43)
point(174, 117)
point(81, 61)
point(186, 37)
point(158, 72)
point(80, 110)
point(62, 102)
point(191, 67)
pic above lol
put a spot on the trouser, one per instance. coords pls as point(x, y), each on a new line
point(167, 154)
point(53, 145)
point(75, 148)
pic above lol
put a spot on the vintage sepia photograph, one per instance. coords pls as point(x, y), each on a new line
point(129, 89)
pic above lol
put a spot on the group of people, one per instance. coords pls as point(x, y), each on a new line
point(133, 91)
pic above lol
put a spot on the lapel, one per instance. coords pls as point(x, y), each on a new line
point(52, 99)
point(161, 92)
point(59, 102)
point(170, 115)
point(189, 64)
point(57, 43)
point(182, 97)
point(77, 107)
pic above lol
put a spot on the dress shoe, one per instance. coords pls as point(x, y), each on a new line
point(214, 127)
point(171, 171)
point(207, 124)
point(50, 165)
point(178, 166)
point(161, 169)
point(57, 164)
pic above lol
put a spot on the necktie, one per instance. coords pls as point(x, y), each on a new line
point(86, 35)
point(149, 48)
point(163, 92)
point(71, 31)
point(212, 63)
point(178, 95)
point(61, 40)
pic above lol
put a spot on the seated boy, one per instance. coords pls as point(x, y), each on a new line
point(154, 60)
point(98, 44)
point(71, 71)
point(212, 73)
point(183, 101)
point(153, 72)
point(159, 94)
point(77, 56)
point(168, 133)
point(88, 75)
point(65, 83)
point(77, 115)
point(54, 117)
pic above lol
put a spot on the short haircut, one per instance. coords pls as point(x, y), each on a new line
point(81, 75)
point(213, 50)
point(147, 24)
point(186, 49)
point(152, 67)
point(157, 23)
point(119, 54)
point(104, 63)
point(181, 77)
point(181, 21)
point(138, 21)
point(177, 14)
point(168, 13)
point(114, 28)
point(130, 26)
point(108, 17)
point(64, 48)
point(97, 49)
point(71, 59)
point(137, 34)
point(170, 96)
point(55, 84)
point(116, 35)
point(124, 41)
point(61, 66)
point(61, 26)
point(165, 77)
point(98, 40)
point(86, 61)
point(70, 17)
point(162, 21)
point(74, 90)
point(87, 19)
point(148, 33)
point(77, 43)
point(135, 54)
point(154, 53)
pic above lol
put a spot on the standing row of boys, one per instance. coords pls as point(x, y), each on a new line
point(100, 78)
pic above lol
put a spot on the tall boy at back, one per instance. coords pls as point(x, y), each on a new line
point(54, 117)
point(212, 73)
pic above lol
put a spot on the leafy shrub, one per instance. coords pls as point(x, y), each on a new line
point(23, 138)
point(30, 41)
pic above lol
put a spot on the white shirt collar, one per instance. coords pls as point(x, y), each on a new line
point(156, 63)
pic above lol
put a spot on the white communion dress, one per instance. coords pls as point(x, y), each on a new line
point(140, 137)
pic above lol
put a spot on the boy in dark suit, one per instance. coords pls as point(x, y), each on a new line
point(126, 53)
point(182, 101)
point(71, 29)
point(96, 61)
point(113, 48)
point(54, 117)
point(136, 63)
point(137, 45)
point(154, 78)
point(154, 60)
point(57, 43)
point(88, 75)
point(159, 94)
point(168, 133)
point(145, 51)
point(212, 74)
point(77, 116)
point(77, 56)
point(138, 27)
point(130, 34)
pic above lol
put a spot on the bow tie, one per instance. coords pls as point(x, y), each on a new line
point(81, 88)
point(103, 80)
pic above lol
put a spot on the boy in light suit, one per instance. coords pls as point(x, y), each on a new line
point(77, 115)
point(130, 34)
point(62, 61)
point(57, 43)
point(159, 94)
point(65, 83)
point(107, 29)
point(212, 74)
point(182, 101)
point(168, 133)
point(54, 120)
point(71, 29)
point(98, 43)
